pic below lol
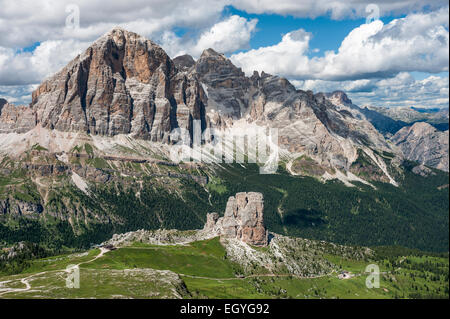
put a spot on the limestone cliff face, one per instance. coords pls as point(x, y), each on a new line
point(225, 84)
point(17, 119)
point(243, 219)
point(126, 84)
point(307, 123)
point(122, 84)
point(423, 143)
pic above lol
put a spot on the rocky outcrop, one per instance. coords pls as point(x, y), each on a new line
point(243, 220)
point(4, 206)
point(20, 208)
point(23, 250)
point(422, 170)
point(421, 142)
point(16, 119)
point(362, 124)
point(93, 174)
point(213, 224)
point(27, 208)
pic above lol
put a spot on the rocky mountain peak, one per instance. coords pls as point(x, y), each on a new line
point(339, 97)
point(226, 85)
point(213, 63)
point(122, 84)
point(184, 62)
point(126, 84)
point(211, 53)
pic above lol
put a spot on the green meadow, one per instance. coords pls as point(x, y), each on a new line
point(202, 270)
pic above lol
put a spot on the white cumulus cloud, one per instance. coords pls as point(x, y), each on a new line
point(227, 36)
point(336, 9)
point(399, 91)
point(231, 34)
point(418, 42)
point(22, 68)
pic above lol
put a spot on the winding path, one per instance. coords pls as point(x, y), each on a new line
point(260, 275)
point(26, 280)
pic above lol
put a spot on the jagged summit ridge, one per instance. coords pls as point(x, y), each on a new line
point(126, 84)
point(211, 52)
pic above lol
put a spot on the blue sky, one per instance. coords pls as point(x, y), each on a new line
point(399, 60)
point(327, 33)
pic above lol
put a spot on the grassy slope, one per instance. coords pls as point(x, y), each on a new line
point(206, 274)
point(204, 258)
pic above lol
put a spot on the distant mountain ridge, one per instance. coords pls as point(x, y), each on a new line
point(439, 118)
point(421, 142)
point(389, 120)
point(425, 110)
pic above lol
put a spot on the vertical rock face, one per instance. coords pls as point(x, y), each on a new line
point(17, 119)
point(213, 224)
point(122, 84)
point(19, 208)
point(126, 84)
point(243, 219)
point(226, 85)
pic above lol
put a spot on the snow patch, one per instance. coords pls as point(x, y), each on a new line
point(205, 89)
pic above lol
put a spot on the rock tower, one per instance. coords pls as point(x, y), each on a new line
point(243, 219)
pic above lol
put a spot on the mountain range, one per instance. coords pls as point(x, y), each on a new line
point(90, 155)
point(410, 115)
point(124, 84)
